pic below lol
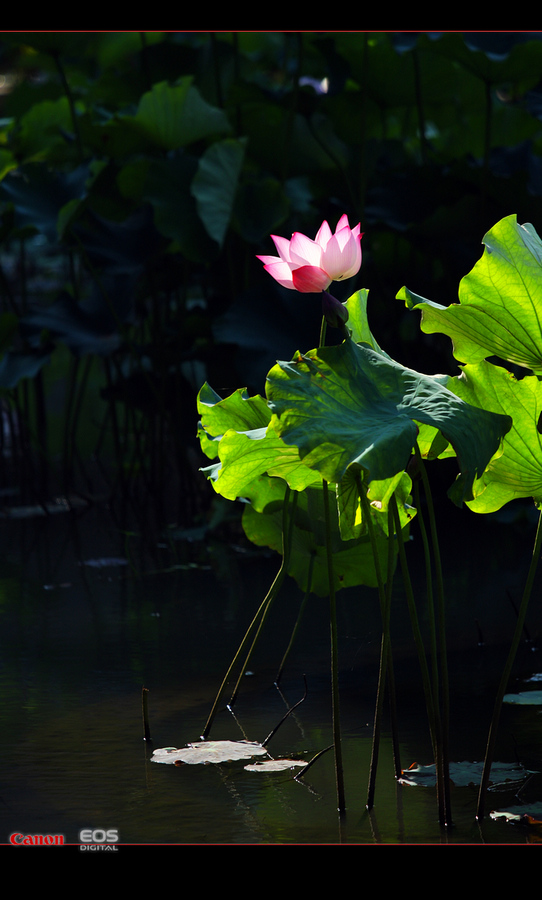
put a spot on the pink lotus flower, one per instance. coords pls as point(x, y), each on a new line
point(310, 266)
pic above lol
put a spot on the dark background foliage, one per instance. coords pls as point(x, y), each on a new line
point(141, 174)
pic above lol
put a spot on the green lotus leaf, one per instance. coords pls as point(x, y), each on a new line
point(176, 116)
point(358, 322)
point(215, 185)
point(431, 443)
point(351, 517)
point(516, 471)
point(246, 457)
point(238, 411)
point(500, 308)
point(350, 405)
point(254, 463)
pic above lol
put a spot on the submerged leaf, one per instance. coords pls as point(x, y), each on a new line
point(463, 774)
point(519, 816)
point(275, 765)
point(208, 752)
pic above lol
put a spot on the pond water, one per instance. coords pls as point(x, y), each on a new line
point(89, 618)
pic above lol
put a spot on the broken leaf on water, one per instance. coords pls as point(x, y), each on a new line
point(104, 562)
point(525, 698)
point(463, 774)
point(274, 765)
point(208, 752)
point(530, 817)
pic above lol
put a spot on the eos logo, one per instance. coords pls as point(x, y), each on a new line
point(98, 838)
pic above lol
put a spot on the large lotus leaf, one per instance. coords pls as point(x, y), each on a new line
point(353, 561)
point(165, 184)
point(517, 470)
point(431, 443)
point(83, 330)
point(38, 195)
point(15, 365)
point(215, 185)
point(42, 131)
point(500, 309)
point(257, 465)
point(349, 405)
point(175, 116)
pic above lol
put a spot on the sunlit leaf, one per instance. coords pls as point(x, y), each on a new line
point(238, 411)
point(358, 321)
point(516, 471)
point(249, 450)
point(500, 308)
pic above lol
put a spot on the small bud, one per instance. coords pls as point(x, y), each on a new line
point(335, 312)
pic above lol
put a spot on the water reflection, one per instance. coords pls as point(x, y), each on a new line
point(79, 641)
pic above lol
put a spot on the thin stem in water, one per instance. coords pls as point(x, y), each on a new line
point(385, 654)
point(444, 715)
point(259, 617)
point(537, 549)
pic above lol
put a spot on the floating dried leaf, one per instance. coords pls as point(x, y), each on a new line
point(208, 752)
point(462, 774)
point(274, 765)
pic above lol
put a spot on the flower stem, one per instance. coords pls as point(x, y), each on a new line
point(298, 620)
point(508, 669)
point(323, 330)
point(339, 773)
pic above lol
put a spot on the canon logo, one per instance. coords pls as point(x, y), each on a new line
point(37, 840)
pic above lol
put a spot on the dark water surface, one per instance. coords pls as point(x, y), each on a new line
point(80, 638)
